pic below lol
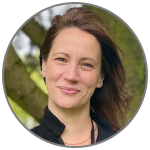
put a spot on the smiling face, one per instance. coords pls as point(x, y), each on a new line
point(72, 70)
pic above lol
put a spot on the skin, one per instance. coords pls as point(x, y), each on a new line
point(72, 73)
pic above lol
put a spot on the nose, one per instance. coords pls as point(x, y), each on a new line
point(71, 73)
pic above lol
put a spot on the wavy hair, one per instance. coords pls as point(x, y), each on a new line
point(111, 100)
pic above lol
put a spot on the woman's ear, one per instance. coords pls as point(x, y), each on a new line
point(43, 68)
point(100, 81)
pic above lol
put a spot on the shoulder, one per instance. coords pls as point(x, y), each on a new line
point(104, 132)
point(38, 130)
point(43, 132)
point(34, 130)
point(104, 129)
point(105, 125)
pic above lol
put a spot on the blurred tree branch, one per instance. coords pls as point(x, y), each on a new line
point(35, 32)
point(28, 95)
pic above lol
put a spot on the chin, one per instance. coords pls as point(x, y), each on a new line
point(67, 104)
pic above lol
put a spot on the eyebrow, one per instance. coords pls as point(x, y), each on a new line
point(61, 53)
point(83, 58)
point(88, 58)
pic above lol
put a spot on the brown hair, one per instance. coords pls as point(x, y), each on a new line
point(110, 101)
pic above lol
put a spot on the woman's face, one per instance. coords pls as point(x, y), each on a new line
point(72, 70)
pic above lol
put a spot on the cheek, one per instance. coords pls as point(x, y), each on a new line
point(53, 72)
point(89, 79)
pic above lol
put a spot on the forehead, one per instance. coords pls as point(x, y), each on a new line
point(77, 41)
point(73, 33)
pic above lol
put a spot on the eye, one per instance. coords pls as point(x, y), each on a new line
point(61, 59)
point(87, 65)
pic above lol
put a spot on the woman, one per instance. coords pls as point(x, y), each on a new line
point(85, 78)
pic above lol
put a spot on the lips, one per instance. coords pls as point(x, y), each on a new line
point(68, 90)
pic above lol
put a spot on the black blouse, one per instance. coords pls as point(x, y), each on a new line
point(51, 127)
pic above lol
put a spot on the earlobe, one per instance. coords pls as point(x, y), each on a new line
point(100, 82)
point(43, 68)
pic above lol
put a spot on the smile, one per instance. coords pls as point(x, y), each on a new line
point(68, 91)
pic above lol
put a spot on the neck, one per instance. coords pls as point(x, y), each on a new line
point(77, 122)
